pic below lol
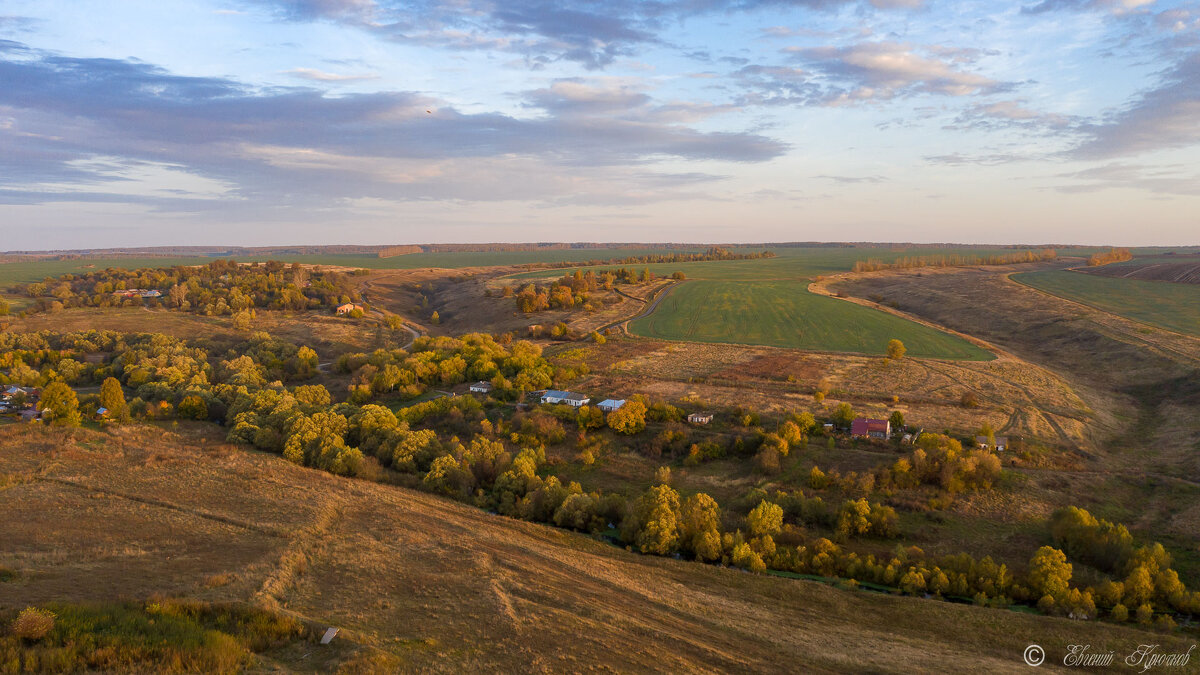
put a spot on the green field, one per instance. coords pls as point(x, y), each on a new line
point(1159, 303)
point(785, 314)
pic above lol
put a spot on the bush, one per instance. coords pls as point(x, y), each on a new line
point(33, 624)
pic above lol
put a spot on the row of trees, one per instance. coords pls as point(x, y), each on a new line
point(711, 253)
point(1110, 256)
point(955, 260)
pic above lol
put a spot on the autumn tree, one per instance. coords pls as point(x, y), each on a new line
point(59, 405)
point(896, 350)
point(112, 397)
point(700, 527)
point(629, 418)
point(193, 408)
point(1049, 573)
point(653, 523)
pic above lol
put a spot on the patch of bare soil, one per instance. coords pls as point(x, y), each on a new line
point(1180, 272)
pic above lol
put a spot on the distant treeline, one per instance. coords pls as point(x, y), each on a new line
point(1115, 255)
point(911, 262)
point(714, 253)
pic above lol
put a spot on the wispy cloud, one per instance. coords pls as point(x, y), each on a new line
point(1165, 117)
point(322, 76)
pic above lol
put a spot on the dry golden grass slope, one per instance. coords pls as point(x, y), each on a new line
point(88, 515)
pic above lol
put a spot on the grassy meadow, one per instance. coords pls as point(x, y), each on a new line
point(785, 314)
point(1159, 303)
point(766, 302)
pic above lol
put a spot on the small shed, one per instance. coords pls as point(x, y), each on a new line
point(1001, 442)
point(700, 418)
point(609, 405)
point(345, 309)
point(482, 387)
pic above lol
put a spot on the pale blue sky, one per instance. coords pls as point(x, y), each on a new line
point(373, 121)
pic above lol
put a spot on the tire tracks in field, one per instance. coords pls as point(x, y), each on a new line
point(647, 310)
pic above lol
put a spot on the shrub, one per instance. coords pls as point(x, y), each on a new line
point(33, 624)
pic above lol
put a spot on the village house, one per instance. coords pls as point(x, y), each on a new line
point(1001, 442)
point(609, 405)
point(345, 309)
point(863, 427)
point(568, 397)
point(481, 387)
point(700, 418)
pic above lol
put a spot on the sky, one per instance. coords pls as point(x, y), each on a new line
point(273, 122)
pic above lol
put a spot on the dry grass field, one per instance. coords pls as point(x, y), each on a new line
point(418, 583)
point(1016, 397)
point(327, 334)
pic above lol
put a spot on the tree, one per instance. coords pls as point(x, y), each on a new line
point(629, 418)
point(4, 309)
point(765, 520)
point(843, 415)
point(1049, 572)
point(192, 408)
point(241, 320)
point(896, 350)
point(656, 520)
point(969, 399)
point(435, 318)
point(897, 421)
point(700, 527)
point(112, 397)
point(59, 405)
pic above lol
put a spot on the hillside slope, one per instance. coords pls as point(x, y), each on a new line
point(92, 516)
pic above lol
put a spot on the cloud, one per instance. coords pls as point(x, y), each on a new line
point(322, 76)
point(854, 180)
point(17, 24)
point(1013, 114)
point(1162, 118)
point(863, 73)
point(593, 33)
point(884, 70)
point(298, 148)
point(1111, 6)
point(1165, 180)
point(778, 85)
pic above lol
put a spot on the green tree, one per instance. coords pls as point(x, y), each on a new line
point(897, 421)
point(112, 397)
point(843, 415)
point(4, 308)
point(59, 405)
point(192, 408)
point(896, 350)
